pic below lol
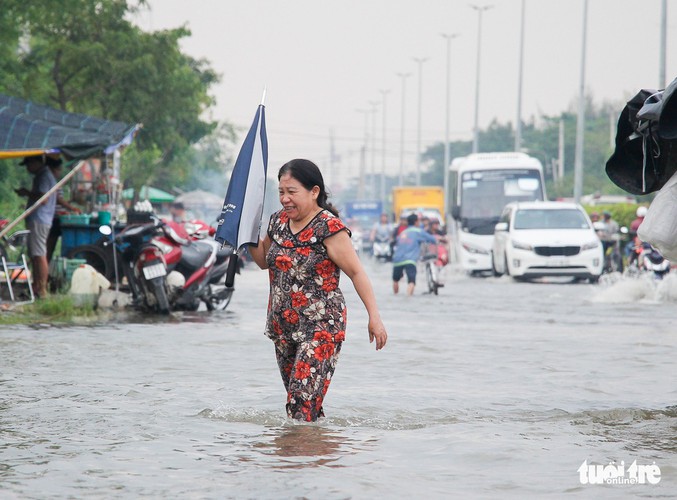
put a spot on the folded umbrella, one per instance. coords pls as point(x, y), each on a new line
point(240, 220)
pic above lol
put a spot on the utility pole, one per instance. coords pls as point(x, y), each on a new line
point(374, 105)
point(518, 120)
point(363, 153)
point(384, 93)
point(404, 77)
point(580, 122)
point(420, 61)
point(476, 130)
point(447, 153)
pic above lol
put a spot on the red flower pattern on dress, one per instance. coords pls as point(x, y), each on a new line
point(302, 370)
point(306, 319)
point(335, 225)
point(325, 386)
point(290, 316)
point(322, 336)
point(324, 351)
point(283, 262)
point(329, 284)
point(306, 234)
point(325, 268)
point(298, 299)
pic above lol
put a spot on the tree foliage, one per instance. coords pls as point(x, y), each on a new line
point(87, 57)
point(541, 140)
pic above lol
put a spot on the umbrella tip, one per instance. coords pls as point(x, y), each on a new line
point(263, 97)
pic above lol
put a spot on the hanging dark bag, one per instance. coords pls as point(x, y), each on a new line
point(645, 156)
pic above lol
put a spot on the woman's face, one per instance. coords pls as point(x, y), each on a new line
point(297, 201)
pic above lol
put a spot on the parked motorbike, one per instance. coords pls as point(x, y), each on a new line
point(166, 268)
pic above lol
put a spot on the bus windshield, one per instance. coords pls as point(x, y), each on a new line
point(484, 193)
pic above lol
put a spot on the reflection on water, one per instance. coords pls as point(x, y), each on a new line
point(314, 445)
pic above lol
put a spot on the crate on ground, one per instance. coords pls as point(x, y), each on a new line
point(75, 219)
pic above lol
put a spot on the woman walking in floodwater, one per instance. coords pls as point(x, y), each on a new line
point(305, 249)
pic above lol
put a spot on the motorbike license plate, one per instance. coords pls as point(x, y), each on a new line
point(154, 271)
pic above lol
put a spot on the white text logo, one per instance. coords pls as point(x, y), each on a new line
point(618, 474)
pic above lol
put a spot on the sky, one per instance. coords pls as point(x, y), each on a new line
point(325, 64)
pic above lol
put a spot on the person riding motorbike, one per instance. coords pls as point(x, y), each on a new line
point(634, 242)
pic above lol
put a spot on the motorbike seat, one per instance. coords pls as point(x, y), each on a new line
point(223, 254)
point(195, 254)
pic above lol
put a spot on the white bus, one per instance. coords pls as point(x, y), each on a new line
point(480, 186)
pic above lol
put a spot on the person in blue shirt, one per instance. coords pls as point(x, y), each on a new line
point(407, 253)
point(40, 220)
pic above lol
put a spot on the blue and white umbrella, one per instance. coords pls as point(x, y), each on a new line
point(240, 219)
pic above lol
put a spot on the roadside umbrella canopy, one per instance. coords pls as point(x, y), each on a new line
point(154, 195)
point(30, 129)
point(199, 199)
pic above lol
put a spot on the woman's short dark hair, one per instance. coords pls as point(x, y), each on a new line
point(309, 175)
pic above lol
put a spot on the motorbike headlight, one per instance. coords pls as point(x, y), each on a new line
point(522, 246)
point(590, 246)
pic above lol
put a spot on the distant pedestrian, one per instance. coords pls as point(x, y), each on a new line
point(408, 252)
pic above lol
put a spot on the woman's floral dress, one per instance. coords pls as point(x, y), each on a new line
point(306, 310)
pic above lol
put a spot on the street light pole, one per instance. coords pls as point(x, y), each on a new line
point(476, 131)
point(580, 121)
point(374, 105)
point(404, 77)
point(447, 153)
point(518, 121)
point(363, 155)
point(420, 61)
point(384, 93)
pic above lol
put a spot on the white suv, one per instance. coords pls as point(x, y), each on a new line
point(546, 238)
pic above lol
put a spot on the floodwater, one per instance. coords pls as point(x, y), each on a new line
point(492, 389)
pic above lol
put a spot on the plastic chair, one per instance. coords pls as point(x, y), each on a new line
point(13, 271)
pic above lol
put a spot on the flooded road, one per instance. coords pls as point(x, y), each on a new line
point(491, 389)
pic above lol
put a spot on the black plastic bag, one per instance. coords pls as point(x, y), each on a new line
point(645, 156)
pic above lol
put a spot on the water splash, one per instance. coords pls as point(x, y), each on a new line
point(616, 288)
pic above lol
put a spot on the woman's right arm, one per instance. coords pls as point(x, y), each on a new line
point(259, 253)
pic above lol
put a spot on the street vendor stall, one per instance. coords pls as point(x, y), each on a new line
point(90, 147)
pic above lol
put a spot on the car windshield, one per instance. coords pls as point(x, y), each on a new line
point(550, 219)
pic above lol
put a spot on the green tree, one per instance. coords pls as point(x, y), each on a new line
point(541, 140)
point(86, 56)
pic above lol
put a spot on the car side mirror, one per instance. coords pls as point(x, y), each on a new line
point(501, 226)
point(456, 212)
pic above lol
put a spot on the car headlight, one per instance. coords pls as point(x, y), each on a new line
point(473, 249)
point(590, 246)
point(522, 246)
